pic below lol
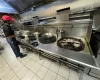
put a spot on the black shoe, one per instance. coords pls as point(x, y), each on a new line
point(23, 55)
point(17, 56)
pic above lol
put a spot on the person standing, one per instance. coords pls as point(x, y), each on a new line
point(10, 36)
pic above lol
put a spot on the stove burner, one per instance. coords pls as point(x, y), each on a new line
point(35, 44)
point(71, 43)
point(47, 40)
point(31, 38)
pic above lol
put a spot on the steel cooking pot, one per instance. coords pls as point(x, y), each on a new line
point(47, 35)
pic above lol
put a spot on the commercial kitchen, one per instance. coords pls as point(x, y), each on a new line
point(59, 38)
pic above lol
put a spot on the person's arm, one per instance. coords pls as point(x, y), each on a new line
point(11, 36)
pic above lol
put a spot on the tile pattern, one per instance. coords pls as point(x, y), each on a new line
point(64, 72)
point(31, 68)
point(42, 72)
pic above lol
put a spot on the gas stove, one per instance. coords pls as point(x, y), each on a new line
point(71, 43)
point(47, 38)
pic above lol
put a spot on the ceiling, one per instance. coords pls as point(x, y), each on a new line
point(23, 5)
point(6, 8)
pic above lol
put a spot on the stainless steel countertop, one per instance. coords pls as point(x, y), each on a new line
point(77, 57)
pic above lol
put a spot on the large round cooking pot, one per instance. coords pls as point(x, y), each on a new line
point(47, 35)
point(71, 43)
point(47, 38)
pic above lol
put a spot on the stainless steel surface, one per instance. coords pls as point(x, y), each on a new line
point(95, 72)
point(96, 20)
point(63, 15)
point(79, 30)
point(47, 35)
point(83, 58)
point(98, 59)
point(35, 20)
point(60, 33)
point(89, 32)
point(71, 28)
point(78, 57)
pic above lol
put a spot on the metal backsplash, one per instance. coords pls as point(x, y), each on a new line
point(63, 14)
point(96, 20)
point(77, 30)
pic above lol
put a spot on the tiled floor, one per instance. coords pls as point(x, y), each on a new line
point(31, 68)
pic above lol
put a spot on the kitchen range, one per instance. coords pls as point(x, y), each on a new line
point(72, 50)
point(64, 41)
point(50, 39)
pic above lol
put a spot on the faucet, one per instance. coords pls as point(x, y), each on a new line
point(62, 33)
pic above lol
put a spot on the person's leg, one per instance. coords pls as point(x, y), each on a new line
point(14, 47)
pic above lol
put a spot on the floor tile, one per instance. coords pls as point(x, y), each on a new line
point(10, 50)
point(16, 66)
point(3, 73)
point(15, 78)
point(64, 71)
point(11, 61)
point(47, 63)
point(60, 78)
point(35, 67)
point(3, 64)
point(24, 60)
point(22, 72)
point(86, 77)
point(8, 57)
point(28, 76)
point(42, 72)
point(36, 78)
point(50, 75)
point(73, 75)
point(33, 56)
point(16, 62)
point(54, 67)
point(40, 61)
point(8, 76)
point(30, 64)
